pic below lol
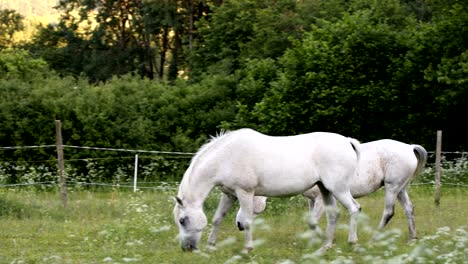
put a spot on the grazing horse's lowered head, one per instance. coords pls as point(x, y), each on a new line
point(191, 221)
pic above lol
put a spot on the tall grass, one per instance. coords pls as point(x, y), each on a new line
point(119, 226)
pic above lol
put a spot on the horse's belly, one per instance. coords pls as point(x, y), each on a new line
point(361, 190)
point(285, 183)
point(366, 182)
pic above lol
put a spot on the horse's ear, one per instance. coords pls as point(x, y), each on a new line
point(178, 201)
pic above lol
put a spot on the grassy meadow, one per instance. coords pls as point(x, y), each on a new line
point(112, 225)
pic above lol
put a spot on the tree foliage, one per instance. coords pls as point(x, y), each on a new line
point(103, 39)
point(370, 73)
point(10, 23)
point(19, 64)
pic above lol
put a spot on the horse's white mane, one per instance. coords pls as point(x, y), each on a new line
point(212, 141)
point(220, 134)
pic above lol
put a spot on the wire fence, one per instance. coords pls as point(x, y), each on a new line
point(125, 184)
point(159, 185)
point(156, 185)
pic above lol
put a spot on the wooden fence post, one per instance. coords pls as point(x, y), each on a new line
point(63, 186)
point(437, 167)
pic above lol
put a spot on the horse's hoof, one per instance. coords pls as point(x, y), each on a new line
point(323, 249)
point(211, 247)
point(211, 243)
point(247, 250)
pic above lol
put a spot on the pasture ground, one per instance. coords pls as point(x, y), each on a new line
point(119, 226)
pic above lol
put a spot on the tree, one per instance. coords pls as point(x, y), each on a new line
point(107, 38)
point(163, 18)
point(440, 56)
point(239, 30)
point(97, 38)
point(10, 22)
point(20, 65)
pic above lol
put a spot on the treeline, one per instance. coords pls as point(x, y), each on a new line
point(164, 75)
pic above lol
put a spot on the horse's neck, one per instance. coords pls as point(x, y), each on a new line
point(198, 180)
point(194, 190)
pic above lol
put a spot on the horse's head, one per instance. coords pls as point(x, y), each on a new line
point(191, 221)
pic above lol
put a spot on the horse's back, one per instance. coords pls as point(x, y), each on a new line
point(391, 152)
point(317, 141)
point(317, 149)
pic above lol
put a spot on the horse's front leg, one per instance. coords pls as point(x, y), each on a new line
point(246, 204)
point(225, 203)
point(259, 205)
point(408, 207)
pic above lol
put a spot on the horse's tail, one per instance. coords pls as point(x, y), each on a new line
point(356, 146)
point(421, 155)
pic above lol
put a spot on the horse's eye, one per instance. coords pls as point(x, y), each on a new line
point(183, 220)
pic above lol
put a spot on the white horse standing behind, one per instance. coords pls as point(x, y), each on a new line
point(246, 163)
point(388, 163)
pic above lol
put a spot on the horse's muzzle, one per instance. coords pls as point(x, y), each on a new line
point(189, 247)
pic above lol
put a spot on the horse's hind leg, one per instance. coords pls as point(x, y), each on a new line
point(246, 204)
point(316, 209)
point(389, 207)
point(225, 203)
point(332, 214)
point(408, 207)
point(353, 207)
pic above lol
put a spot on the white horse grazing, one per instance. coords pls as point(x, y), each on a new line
point(385, 162)
point(245, 163)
